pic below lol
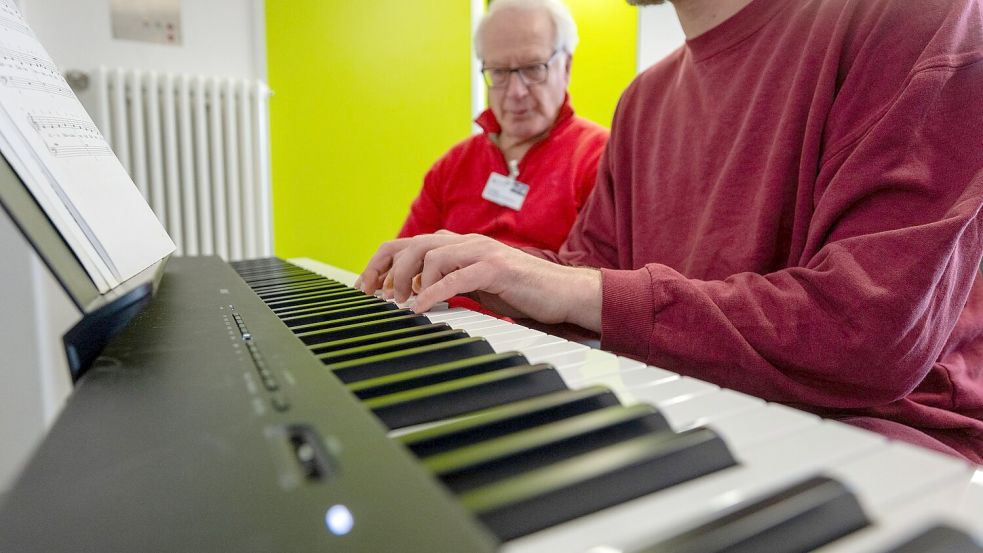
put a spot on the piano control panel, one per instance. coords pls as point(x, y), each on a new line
point(278, 397)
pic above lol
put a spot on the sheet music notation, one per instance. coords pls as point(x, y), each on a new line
point(67, 165)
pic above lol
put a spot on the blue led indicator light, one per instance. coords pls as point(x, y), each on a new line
point(339, 520)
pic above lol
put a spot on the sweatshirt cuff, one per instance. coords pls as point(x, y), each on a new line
point(627, 311)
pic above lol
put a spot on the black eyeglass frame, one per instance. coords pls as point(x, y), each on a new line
point(527, 73)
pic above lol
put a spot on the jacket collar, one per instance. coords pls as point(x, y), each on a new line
point(489, 123)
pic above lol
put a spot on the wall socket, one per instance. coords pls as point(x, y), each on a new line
point(157, 21)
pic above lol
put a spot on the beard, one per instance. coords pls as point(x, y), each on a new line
point(645, 2)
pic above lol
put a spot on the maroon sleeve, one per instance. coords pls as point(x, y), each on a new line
point(893, 248)
point(590, 158)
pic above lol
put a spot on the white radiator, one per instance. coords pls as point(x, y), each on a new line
point(198, 149)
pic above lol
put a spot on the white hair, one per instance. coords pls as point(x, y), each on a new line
point(564, 28)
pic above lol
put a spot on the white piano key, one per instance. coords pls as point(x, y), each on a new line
point(481, 325)
point(666, 392)
point(345, 277)
point(510, 336)
point(654, 517)
point(509, 332)
point(754, 427)
point(951, 504)
point(448, 315)
point(957, 503)
point(703, 409)
point(898, 473)
point(523, 344)
point(622, 381)
point(469, 318)
point(591, 365)
point(544, 353)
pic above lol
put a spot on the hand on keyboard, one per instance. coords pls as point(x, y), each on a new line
point(505, 279)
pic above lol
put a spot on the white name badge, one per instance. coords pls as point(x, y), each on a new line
point(505, 191)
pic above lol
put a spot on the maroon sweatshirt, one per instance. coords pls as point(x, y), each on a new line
point(789, 206)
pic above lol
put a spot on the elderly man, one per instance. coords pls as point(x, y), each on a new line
point(525, 178)
point(789, 206)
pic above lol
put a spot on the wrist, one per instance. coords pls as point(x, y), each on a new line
point(584, 300)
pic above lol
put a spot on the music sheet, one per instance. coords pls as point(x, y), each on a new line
point(53, 145)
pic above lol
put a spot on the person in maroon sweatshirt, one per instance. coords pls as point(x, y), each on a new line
point(789, 206)
point(527, 176)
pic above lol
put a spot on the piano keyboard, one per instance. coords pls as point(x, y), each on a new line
point(555, 446)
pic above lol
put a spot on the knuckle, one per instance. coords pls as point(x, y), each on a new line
point(431, 257)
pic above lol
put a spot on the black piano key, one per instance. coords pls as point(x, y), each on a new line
point(397, 345)
point(287, 291)
point(311, 298)
point(259, 274)
point(417, 378)
point(588, 483)
point(314, 280)
point(940, 539)
point(324, 306)
point(368, 317)
point(262, 283)
point(260, 263)
point(499, 421)
point(284, 271)
point(381, 337)
point(489, 461)
point(314, 337)
point(284, 283)
point(409, 359)
point(336, 314)
point(263, 263)
point(465, 395)
point(298, 290)
point(320, 306)
point(795, 519)
point(266, 269)
point(247, 264)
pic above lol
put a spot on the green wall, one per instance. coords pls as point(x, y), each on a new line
point(605, 60)
point(367, 95)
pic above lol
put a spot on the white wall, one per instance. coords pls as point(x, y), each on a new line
point(658, 34)
point(34, 315)
point(220, 37)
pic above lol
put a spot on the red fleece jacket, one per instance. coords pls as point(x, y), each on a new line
point(560, 170)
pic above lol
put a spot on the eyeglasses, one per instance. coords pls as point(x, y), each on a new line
point(534, 73)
